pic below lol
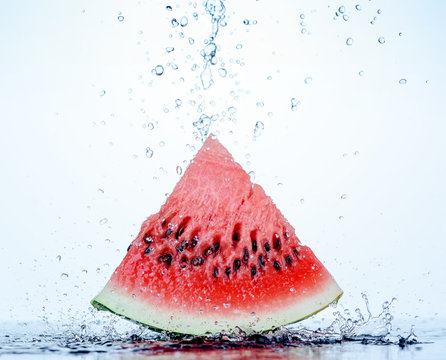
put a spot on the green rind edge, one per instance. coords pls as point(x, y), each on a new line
point(99, 306)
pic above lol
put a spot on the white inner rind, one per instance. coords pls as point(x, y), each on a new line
point(182, 320)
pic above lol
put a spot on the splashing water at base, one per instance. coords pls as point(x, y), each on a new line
point(106, 333)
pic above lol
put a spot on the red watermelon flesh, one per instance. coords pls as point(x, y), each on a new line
point(217, 256)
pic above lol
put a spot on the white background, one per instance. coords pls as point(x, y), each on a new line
point(71, 155)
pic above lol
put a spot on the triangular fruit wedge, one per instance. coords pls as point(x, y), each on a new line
point(218, 256)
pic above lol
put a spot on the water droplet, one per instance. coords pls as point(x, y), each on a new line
point(356, 153)
point(149, 152)
point(253, 314)
point(381, 40)
point(302, 200)
point(344, 196)
point(178, 102)
point(102, 93)
point(403, 81)
point(258, 128)
point(169, 8)
point(150, 126)
point(232, 110)
point(239, 46)
point(226, 305)
point(174, 22)
point(302, 16)
point(349, 41)
point(120, 18)
point(345, 17)
point(341, 9)
point(222, 72)
point(246, 22)
point(191, 41)
point(103, 221)
point(85, 272)
point(358, 7)
point(308, 80)
point(64, 276)
point(379, 11)
point(162, 143)
point(158, 70)
point(58, 258)
point(361, 73)
point(303, 31)
point(179, 170)
point(169, 49)
point(260, 104)
point(400, 34)
point(291, 289)
point(252, 175)
point(294, 104)
point(184, 21)
point(107, 241)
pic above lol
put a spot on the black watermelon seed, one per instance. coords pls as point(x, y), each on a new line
point(168, 233)
point(288, 260)
point(235, 237)
point(254, 245)
point(194, 241)
point(129, 247)
point(216, 246)
point(147, 250)
point(237, 264)
point(245, 255)
point(286, 234)
point(296, 252)
point(266, 246)
point(261, 261)
point(183, 262)
point(147, 238)
point(216, 272)
point(184, 244)
point(227, 271)
point(167, 258)
point(208, 251)
point(164, 222)
point(196, 261)
point(179, 232)
point(276, 241)
point(276, 265)
point(253, 271)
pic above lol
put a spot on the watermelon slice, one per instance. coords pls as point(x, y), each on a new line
point(218, 256)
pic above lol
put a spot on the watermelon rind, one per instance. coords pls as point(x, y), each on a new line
point(180, 322)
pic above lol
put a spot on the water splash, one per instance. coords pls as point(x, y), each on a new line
point(216, 9)
point(203, 124)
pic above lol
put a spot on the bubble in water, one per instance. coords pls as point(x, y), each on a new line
point(246, 22)
point(400, 34)
point(302, 200)
point(203, 124)
point(184, 21)
point(341, 9)
point(294, 104)
point(169, 8)
point(178, 102)
point(158, 70)
point(345, 17)
point(149, 152)
point(361, 73)
point(162, 143)
point(64, 276)
point(302, 16)
point(344, 196)
point(308, 80)
point(358, 7)
point(85, 272)
point(179, 170)
point(349, 41)
point(252, 175)
point(258, 128)
point(191, 41)
point(260, 104)
point(169, 49)
point(58, 258)
point(403, 81)
point(222, 72)
point(174, 22)
point(150, 126)
point(120, 18)
point(381, 40)
point(103, 92)
point(379, 11)
point(340, 217)
point(238, 46)
point(103, 221)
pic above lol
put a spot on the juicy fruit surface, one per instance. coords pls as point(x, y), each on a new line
point(219, 250)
